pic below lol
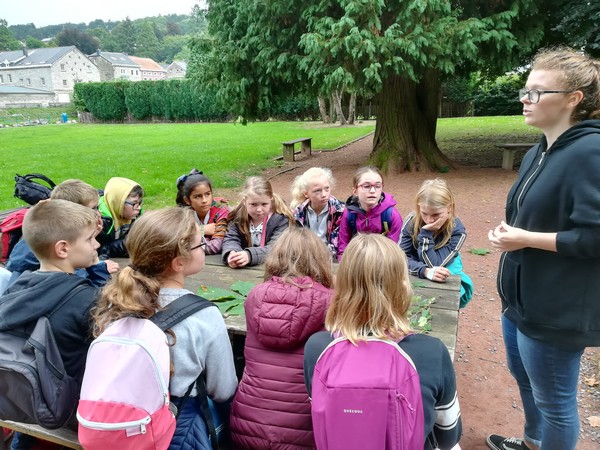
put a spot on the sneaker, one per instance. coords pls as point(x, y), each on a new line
point(496, 442)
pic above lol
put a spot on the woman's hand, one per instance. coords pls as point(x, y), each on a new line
point(507, 238)
point(238, 259)
point(209, 229)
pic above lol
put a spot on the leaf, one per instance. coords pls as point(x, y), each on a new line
point(242, 287)
point(594, 421)
point(216, 294)
point(591, 381)
point(225, 306)
point(479, 251)
point(237, 310)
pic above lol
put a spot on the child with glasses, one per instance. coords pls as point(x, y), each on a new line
point(119, 207)
point(369, 209)
point(315, 208)
point(165, 247)
point(432, 237)
point(195, 191)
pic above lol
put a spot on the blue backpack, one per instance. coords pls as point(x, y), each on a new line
point(386, 221)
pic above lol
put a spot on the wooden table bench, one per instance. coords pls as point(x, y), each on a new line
point(444, 311)
point(288, 148)
point(508, 153)
point(62, 436)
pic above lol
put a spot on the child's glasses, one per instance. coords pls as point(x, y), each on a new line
point(201, 245)
point(368, 187)
point(135, 205)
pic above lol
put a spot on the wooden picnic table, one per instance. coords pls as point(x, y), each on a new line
point(444, 311)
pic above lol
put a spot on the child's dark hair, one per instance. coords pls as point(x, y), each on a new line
point(187, 183)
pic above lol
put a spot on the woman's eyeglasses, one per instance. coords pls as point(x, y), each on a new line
point(533, 95)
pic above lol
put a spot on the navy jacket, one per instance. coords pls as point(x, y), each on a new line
point(554, 296)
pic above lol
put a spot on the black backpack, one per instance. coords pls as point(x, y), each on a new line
point(34, 386)
point(31, 191)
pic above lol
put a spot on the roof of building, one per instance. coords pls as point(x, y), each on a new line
point(147, 64)
point(21, 90)
point(181, 64)
point(33, 57)
point(116, 59)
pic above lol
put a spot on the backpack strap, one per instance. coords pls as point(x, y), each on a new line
point(39, 176)
point(386, 221)
point(168, 317)
point(178, 310)
point(351, 221)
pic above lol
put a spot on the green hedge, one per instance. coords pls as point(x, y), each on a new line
point(174, 100)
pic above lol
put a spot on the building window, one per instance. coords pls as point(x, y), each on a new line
point(21, 81)
point(1, 79)
point(122, 70)
point(28, 81)
point(43, 80)
point(62, 67)
point(9, 78)
point(64, 82)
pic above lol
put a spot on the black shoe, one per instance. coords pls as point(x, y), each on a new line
point(496, 442)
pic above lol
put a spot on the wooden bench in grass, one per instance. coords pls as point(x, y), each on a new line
point(508, 153)
point(288, 148)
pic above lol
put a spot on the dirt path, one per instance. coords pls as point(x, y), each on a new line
point(488, 395)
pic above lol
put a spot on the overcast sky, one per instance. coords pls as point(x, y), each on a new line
point(54, 12)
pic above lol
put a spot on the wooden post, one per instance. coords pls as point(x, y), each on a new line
point(288, 152)
point(306, 147)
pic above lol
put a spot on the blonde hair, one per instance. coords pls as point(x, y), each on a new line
point(75, 191)
point(434, 194)
point(154, 241)
point(55, 220)
point(257, 186)
point(372, 291)
point(361, 171)
point(578, 72)
point(302, 183)
point(299, 253)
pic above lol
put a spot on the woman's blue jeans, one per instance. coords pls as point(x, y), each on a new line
point(547, 377)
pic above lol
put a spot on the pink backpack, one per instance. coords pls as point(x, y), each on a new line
point(366, 396)
point(124, 399)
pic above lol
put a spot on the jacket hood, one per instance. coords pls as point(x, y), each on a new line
point(385, 202)
point(577, 131)
point(115, 193)
point(284, 315)
point(33, 295)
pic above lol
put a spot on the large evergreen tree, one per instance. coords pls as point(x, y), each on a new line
point(397, 49)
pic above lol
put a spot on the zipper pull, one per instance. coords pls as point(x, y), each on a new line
point(143, 428)
point(542, 158)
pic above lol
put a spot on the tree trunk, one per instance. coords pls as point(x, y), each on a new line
point(337, 98)
point(352, 109)
point(323, 109)
point(332, 115)
point(405, 130)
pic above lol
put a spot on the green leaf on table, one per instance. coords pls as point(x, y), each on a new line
point(479, 251)
point(242, 287)
point(224, 307)
point(419, 313)
point(237, 310)
point(216, 294)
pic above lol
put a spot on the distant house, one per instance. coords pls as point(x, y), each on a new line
point(46, 75)
point(116, 66)
point(177, 69)
point(150, 69)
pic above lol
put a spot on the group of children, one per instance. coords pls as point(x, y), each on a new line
point(370, 297)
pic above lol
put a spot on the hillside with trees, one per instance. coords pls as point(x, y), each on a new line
point(162, 38)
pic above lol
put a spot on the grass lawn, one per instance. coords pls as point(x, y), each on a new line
point(154, 155)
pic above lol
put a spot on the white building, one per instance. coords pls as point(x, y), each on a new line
point(51, 70)
point(116, 66)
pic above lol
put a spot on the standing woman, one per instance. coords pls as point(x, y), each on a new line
point(548, 277)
